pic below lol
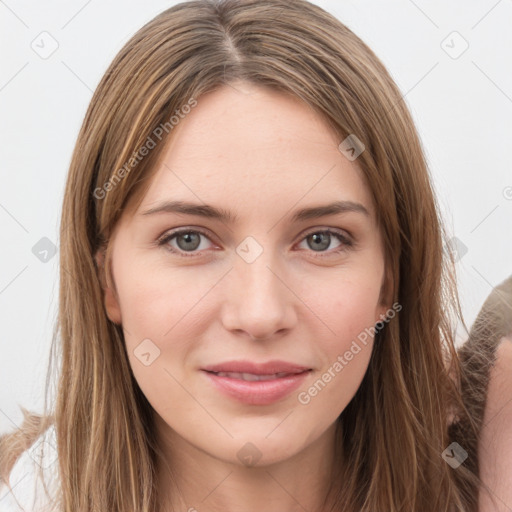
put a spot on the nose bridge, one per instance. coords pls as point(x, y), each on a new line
point(259, 302)
point(256, 275)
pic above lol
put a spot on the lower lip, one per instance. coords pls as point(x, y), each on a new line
point(263, 392)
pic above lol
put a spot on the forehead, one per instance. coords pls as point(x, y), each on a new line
point(254, 148)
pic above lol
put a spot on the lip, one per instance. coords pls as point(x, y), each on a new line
point(263, 392)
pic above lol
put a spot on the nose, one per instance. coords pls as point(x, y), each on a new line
point(259, 302)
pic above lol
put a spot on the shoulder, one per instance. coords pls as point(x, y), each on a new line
point(495, 446)
point(36, 468)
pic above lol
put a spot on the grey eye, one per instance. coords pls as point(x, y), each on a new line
point(319, 241)
point(191, 241)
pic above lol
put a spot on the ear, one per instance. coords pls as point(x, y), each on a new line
point(381, 314)
point(385, 299)
point(109, 295)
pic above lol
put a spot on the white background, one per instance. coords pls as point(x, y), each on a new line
point(462, 107)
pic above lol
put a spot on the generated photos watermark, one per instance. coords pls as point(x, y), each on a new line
point(149, 144)
point(304, 397)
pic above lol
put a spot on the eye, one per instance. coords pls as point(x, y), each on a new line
point(187, 240)
point(320, 240)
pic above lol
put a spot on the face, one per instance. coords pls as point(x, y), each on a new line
point(243, 309)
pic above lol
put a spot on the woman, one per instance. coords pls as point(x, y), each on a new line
point(295, 350)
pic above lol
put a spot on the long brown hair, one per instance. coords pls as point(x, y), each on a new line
point(397, 425)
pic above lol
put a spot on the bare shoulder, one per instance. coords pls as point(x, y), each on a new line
point(495, 446)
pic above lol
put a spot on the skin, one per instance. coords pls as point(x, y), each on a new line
point(262, 155)
point(495, 445)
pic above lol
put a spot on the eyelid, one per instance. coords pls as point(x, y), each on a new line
point(322, 229)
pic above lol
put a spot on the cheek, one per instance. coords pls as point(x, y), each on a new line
point(345, 358)
point(336, 383)
point(156, 302)
point(163, 314)
point(346, 307)
point(348, 310)
point(159, 319)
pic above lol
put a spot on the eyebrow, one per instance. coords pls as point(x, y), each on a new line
point(211, 212)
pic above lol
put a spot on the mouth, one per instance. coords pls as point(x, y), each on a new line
point(257, 387)
point(252, 377)
point(274, 367)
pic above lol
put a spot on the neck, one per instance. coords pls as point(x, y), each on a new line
point(198, 481)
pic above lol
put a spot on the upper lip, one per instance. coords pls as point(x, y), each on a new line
point(266, 368)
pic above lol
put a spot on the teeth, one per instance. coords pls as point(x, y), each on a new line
point(250, 376)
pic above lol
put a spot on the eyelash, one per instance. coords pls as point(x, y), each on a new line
point(345, 241)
